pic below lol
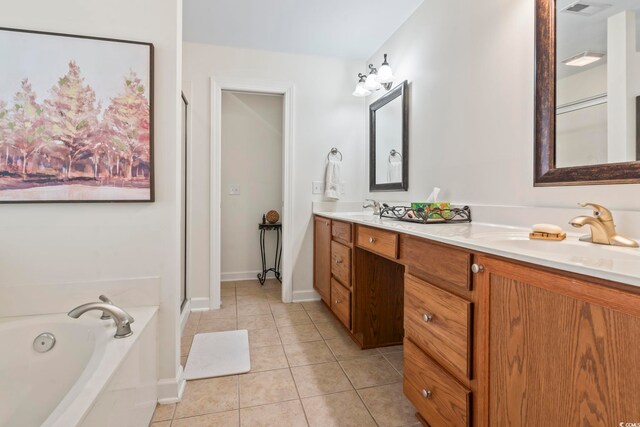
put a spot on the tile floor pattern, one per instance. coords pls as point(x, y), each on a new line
point(305, 370)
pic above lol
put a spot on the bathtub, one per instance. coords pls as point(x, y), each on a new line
point(88, 378)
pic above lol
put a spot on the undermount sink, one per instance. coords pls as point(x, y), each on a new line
point(579, 252)
point(357, 214)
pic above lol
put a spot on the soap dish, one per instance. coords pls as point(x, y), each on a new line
point(538, 235)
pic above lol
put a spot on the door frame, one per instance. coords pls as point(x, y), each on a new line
point(287, 89)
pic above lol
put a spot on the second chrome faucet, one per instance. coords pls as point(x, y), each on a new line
point(603, 229)
point(122, 319)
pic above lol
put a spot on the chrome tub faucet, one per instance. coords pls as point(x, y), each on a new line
point(121, 318)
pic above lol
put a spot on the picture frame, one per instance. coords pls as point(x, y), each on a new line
point(76, 118)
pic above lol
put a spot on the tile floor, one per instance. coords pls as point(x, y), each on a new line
point(305, 370)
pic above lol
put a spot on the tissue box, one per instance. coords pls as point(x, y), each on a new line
point(431, 210)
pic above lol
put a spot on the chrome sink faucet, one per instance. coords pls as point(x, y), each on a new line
point(374, 204)
point(122, 319)
point(603, 229)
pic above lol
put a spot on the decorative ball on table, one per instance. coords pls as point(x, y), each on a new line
point(273, 217)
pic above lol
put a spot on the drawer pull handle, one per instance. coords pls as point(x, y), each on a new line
point(372, 239)
point(338, 261)
point(425, 393)
point(477, 268)
point(427, 317)
point(338, 301)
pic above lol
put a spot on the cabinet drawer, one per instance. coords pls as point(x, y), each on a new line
point(341, 231)
point(440, 399)
point(439, 323)
point(381, 242)
point(341, 263)
point(341, 303)
point(437, 263)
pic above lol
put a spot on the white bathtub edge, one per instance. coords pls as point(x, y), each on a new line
point(130, 396)
point(74, 413)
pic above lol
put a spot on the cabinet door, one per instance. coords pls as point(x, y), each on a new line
point(322, 257)
point(561, 351)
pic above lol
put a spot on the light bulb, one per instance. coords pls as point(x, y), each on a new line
point(360, 90)
point(372, 83)
point(385, 75)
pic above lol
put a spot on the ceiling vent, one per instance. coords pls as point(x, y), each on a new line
point(585, 8)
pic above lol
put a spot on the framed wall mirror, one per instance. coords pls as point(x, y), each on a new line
point(389, 141)
point(587, 91)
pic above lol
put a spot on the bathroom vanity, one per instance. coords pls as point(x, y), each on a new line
point(497, 329)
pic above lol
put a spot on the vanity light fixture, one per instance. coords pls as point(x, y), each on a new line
point(583, 58)
point(372, 79)
point(376, 80)
point(385, 74)
point(360, 89)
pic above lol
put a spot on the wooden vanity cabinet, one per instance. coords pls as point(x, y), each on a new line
point(322, 257)
point(514, 344)
point(333, 265)
point(345, 255)
point(562, 351)
point(440, 346)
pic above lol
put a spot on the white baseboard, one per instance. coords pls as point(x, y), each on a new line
point(239, 275)
point(170, 390)
point(200, 304)
point(303, 296)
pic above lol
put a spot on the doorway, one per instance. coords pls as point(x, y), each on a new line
point(285, 93)
point(251, 183)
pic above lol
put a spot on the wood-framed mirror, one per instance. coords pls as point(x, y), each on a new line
point(389, 141)
point(586, 94)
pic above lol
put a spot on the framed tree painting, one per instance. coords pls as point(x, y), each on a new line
point(76, 118)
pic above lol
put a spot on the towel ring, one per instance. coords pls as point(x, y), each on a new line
point(334, 151)
point(394, 153)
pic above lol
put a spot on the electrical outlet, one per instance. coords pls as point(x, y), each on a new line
point(317, 187)
point(234, 190)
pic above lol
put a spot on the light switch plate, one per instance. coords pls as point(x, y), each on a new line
point(234, 190)
point(317, 187)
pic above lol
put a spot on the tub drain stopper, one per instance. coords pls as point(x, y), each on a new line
point(44, 342)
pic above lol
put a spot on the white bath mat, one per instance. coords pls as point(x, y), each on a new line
point(216, 354)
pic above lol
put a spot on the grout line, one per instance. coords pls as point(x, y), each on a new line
point(235, 287)
point(385, 358)
point(290, 368)
point(367, 408)
point(354, 388)
point(295, 384)
point(238, 391)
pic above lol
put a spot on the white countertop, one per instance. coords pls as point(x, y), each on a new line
point(617, 264)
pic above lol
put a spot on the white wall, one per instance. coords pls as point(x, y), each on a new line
point(581, 135)
point(61, 243)
point(470, 66)
point(581, 85)
point(252, 158)
point(325, 115)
